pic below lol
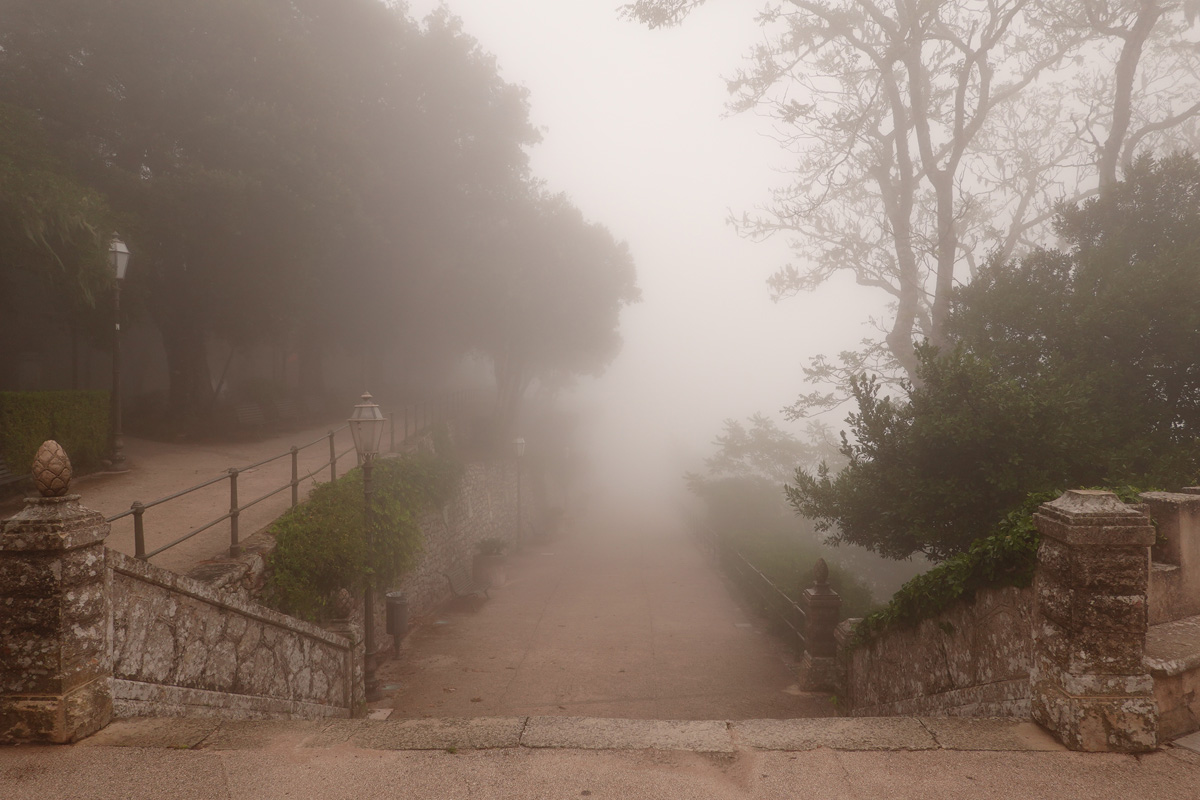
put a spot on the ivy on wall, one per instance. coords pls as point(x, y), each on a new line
point(1006, 557)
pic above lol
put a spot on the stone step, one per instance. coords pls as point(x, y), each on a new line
point(582, 733)
point(1173, 659)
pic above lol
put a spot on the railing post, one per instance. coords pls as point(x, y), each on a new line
point(392, 432)
point(332, 459)
point(295, 476)
point(139, 532)
point(822, 606)
point(235, 549)
point(406, 422)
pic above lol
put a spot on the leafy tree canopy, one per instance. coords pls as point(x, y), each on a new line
point(1069, 368)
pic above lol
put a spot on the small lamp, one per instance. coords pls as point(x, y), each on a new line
point(367, 424)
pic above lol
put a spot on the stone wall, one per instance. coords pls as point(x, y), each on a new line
point(971, 660)
point(485, 508)
point(180, 647)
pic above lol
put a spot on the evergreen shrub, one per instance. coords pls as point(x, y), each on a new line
point(321, 545)
point(78, 420)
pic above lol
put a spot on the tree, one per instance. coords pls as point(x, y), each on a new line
point(931, 134)
point(289, 171)
point(1068, 369)
point(544, 289)
point(48, 221)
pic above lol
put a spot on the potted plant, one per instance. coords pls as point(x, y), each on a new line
point(488, 565)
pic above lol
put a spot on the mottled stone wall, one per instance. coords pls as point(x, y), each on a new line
point(54, 610)
point(180, 647)
point(1175, 576)
point(1090, 686)
point(971, 660)
point(485, 508)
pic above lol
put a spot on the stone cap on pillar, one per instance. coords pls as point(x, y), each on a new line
point(1093, 517)
point(54, 520)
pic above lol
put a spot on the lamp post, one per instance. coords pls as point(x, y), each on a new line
point(519, 446)
point(118, 259)
point(366, 426)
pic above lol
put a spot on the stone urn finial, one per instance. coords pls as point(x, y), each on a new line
point(51, 470)
point(821, 573)
point(343, 603)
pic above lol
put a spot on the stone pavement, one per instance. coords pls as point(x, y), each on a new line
point(543, 757)
point(617, 618)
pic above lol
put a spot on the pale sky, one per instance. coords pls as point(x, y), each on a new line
point(636, 133)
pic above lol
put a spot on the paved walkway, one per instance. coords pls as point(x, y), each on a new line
point(541, 757)
point(613, 620)
point(158, 469)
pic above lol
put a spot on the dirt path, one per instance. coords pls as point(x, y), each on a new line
point(615, 621)
point(158, 469)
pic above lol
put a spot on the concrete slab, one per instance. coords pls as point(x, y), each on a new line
point(981, 733)
point(483, 733)
point(1189, 742)
point(250, 734)
point(334, 732)
point(861, 733)
point(588, 733)
point(519, 773)
point(180, 733)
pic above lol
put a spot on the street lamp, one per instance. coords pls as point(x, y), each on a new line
point(366, 426)
point(118, 259)
point(519, 446)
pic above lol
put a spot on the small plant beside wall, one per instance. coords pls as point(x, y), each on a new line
point(320, 546)
point(488, 567)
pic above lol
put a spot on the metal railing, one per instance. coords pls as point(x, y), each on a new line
point(780, 607)
point(415, 418)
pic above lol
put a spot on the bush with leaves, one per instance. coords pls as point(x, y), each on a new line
point(1006, 557)
point(1070, 369)
point(321, 545)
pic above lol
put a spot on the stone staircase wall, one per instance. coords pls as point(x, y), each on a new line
point(180, 647)
point(971, 660)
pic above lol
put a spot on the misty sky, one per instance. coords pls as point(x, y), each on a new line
point(635, 132)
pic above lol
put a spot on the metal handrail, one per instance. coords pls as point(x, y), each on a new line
point(444, 407)
point(793, 616)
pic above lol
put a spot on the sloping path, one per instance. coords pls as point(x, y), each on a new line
point(158, 469)
point(612, 620)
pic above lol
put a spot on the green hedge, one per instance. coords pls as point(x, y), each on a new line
point(320, 546)
point(1007, 557)
point(78, 420)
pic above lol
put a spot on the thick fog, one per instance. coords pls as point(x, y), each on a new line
point(636, 132)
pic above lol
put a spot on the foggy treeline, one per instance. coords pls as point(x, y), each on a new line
point(333, 178)
point(934, 146)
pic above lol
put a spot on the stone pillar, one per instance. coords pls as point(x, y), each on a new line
point(355, 668)
point(1089, 686)
point(55, 649)
point(818, 668)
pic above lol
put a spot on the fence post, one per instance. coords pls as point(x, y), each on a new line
point(332, 459)
point(405, 422)
point(1088, 680)
point(392, 432)
point(139, 531)
point(818, 668)
point(235, 549)
point(295, 476)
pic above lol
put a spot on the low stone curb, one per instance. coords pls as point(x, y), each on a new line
point(581, 733)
